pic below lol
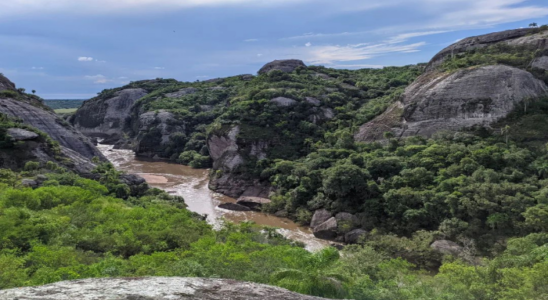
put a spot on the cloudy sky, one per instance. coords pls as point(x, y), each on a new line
point(72, 49)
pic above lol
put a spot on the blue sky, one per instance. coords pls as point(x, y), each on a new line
point(72, 49)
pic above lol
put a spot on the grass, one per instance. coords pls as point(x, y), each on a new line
point(63, 111)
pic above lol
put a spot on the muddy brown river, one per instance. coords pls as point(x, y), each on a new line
point(192, 185)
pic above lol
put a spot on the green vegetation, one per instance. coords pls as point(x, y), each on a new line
point(71, 228)
point(64, 111)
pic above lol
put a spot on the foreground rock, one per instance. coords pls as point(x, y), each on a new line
point(442, 101)
point(287, 66)
point(447, 247)
point(327, 230)
point(153, 288)
point(18, 134)
point(234, 207)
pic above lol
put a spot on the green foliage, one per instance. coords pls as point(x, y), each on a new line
point(63, 104)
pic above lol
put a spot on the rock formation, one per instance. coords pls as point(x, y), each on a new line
point(107, 118)
point(153, 288)
point(474, 96)
point(48, 122)
point(286, 66)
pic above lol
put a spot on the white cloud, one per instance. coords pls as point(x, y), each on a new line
point(308, 44)
point(159, 68)
point(251, 40)
point(85, 58)
point(99, 78)
point(203, 76)
point(259, 55)
point(336, 53)
point(37, 68)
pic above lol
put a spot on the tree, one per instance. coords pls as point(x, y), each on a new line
point(533, 25)
point(34, 91)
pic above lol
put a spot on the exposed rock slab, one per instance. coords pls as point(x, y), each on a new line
point(234, 207)
point(182, 92)
point(152, 288)
point(516, 36)
point(19, 134)
point(540, 63)
point(48, 122)
point(254, 203)
point(164, 124)
point(443, 101)
point(287, 66)
point(6, 84)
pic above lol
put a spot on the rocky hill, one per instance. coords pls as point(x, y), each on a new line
point(474, 82)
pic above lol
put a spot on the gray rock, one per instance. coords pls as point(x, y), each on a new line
point(466, 98)
point(282, 101)
point(447, 247)
point(107, 118)
point(19, 134)
point(254, 203)
point(354, 236)
point(48, 122)
point(327, 230)
point(182, 92)
point(29, 183)
point(313, 101)
point(287, 66)
point(153, 288)
point(6, 84)
point(247, 77)
point(319, 217)
point(540, 63)
point(166, 124)
point(481, 41)
point(234, 207)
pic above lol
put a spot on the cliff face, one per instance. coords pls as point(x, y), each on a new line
point(470, 96)
point(153, 288)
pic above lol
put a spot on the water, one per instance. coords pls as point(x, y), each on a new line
point(192, 185)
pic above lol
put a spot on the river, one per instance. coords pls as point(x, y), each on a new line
point(192, 185)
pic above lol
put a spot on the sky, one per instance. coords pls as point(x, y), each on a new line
point(73, 49)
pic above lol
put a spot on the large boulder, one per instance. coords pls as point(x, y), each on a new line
point(153, 288)
point(107, 117)
point(327, 230)
point(346, 221)
point(154, 131)
point(453, 101)
point(540, 63)
point(287, 66)
point(283, 101)
point(234, 207)
point(320, 216)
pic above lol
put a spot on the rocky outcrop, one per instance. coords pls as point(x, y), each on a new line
point(540, 63)
point(287, 66)
point(107, 118)
point(523, 36)
point(182, 92)
point(453, 101)
point(5, 83)
point(154, 131)
point(234, 207)
point(153, 288)
point(282, 101)
point(254, 203)
point(227, 157)
point(48, 122)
